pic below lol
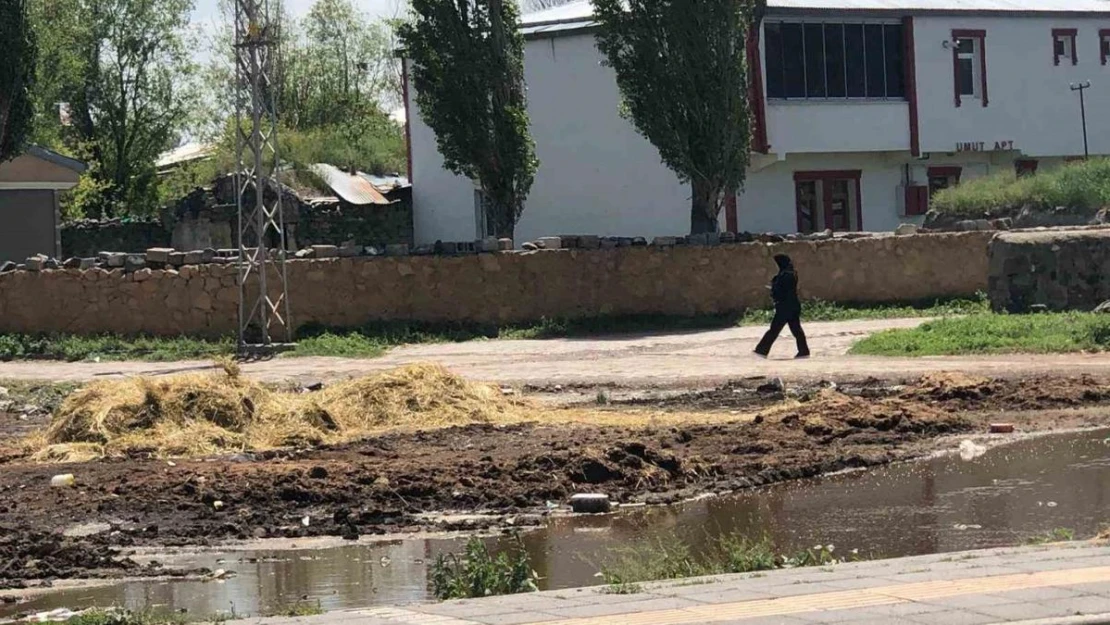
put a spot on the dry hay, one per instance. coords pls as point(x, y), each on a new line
point(203, 414)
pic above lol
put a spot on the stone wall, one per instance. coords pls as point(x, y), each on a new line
point(497, 287)
point(87, 238)
point(1056, 269)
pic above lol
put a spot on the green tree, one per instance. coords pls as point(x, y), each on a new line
point(683, 75)
point(467, 61)
point(122, 68)
point(17, 77)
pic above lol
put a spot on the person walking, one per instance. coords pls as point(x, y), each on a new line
point(788, 309)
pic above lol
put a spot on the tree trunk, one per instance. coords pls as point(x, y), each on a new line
point(499, 221)
point(704, 206)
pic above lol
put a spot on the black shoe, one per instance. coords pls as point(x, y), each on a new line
point(802, 355)
point(759, 353)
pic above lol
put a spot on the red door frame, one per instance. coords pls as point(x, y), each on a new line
point(826, 199)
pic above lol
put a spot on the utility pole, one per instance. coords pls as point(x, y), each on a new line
point(263, 293)
point(1081, 87)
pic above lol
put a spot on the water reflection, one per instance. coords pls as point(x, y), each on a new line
point(944, 504)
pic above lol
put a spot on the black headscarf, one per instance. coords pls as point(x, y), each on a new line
point(784, 262)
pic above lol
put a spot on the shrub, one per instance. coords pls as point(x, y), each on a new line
point(477, 573)
point(1083, 185)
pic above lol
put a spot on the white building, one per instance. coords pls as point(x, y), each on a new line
point(862, 107)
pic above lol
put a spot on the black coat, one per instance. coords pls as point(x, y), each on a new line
point(784, 292)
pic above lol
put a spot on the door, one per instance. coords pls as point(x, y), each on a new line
point(26, 223)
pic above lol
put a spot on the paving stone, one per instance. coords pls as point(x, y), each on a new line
point(466, 609)
point(1047, 594)
point(954, 617)
point(726, 596)
point(1101, 589)
point(849, 617)
point(970, 602)
point(606, 609)
point(1088, 605)
point(763, 620)
point(515, 618)
point(1025, 611)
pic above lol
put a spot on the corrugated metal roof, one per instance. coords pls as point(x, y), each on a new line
point(351, 188)
point(579, 14)
point(185, 153)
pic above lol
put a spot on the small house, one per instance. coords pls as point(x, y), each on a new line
point(30, 210)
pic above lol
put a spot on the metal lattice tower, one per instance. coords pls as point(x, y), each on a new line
point(263, 293)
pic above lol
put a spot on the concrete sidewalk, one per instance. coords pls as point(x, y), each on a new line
point(1064, 584)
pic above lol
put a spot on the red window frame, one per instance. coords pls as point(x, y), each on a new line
point(826, 207)
point(1104, 44)
point(981, 36)
point(1065, 33)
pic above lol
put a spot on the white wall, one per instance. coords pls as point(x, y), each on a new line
point(1028, 97)
point(845, 126)
point(596, 175)
point(768, 204)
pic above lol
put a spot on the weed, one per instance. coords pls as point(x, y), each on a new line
point(477, 573)
point(602, 397)
point(990, 333)
point(1081, 185)
point(672, 558)
point(300, 608)
point(622, 588)
point(1055, 535)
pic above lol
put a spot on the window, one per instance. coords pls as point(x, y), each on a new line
point(828, 200)
point(969, 65)
point(817, 60)
point(1025, 167)
point(1063, 45)
point(943, 178)
point(1104, 44)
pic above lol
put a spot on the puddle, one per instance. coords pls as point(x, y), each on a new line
point(998, 498)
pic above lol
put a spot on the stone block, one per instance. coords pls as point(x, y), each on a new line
point(664, 241)
point(905, 229)
point(134, 262)
point(348, 251)
point(397, 249)
point(423, 250)
point(529, 246)
point(195, 257)
point(446, 247)
point(7, 266)
point(113, 259)
point(488, 244)
point(728, 237)
point(177, 259)
point(589, 242)
point(325, 251)
point(505, 245)
point(85, 264)
point(370, 250)
point(72, 263)
point(209, 255)
point(36, 263)
point(549, 243)
point(608, 243)
point(159, 254)
point(639, 241)
point(465, 247)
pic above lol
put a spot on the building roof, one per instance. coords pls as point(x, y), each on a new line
point(53, 157)
point(351, 188)
point(184, 154)
point(579, 14)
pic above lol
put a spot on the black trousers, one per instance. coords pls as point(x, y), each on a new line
point(784, 318)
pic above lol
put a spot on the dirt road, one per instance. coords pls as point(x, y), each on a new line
point(660, 360)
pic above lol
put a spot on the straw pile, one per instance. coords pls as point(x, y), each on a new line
point(203, 414)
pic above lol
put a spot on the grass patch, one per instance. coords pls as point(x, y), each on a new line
point(20, 395)
point(989, 333)
point(300, 608)
point(117, 616)
point(1083, 185)
point(672, 558)
point(1055, 535)
point(374, 339)
point(478, 573)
